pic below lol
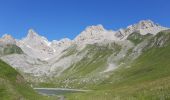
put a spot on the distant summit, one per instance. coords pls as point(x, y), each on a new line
point(7, 39)
point(32, 34)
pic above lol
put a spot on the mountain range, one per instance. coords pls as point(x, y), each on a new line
point(91, 58)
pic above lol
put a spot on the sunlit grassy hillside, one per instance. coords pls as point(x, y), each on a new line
point(14, 87)
point(147, 78)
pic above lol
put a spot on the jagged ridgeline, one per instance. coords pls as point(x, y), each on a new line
point(52, 58)
point(110, 62)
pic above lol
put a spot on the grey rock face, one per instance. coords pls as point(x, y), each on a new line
point(44, 58)
point(143, 27)
point(36, 46)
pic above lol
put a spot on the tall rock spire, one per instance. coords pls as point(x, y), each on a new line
point(31, 33)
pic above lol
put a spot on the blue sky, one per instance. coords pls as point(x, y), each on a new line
point(56, 19)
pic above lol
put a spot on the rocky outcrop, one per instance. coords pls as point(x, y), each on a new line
point(143, 27)
point(36, 46)
point(7, 39)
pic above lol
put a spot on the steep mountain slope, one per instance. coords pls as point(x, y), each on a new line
point(90, 65)
point(146, 78)
point(36, 46)
point(94, 53)
point(92, 60)
point(13, 86)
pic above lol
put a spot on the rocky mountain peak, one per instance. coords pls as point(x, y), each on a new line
point(7, 36)
point(7, 39)
point(91, 33)
point(144, 24)
point(32, 33)
point(95, 28)
point(143, 27)
point(34, 37)
point(35, 45)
